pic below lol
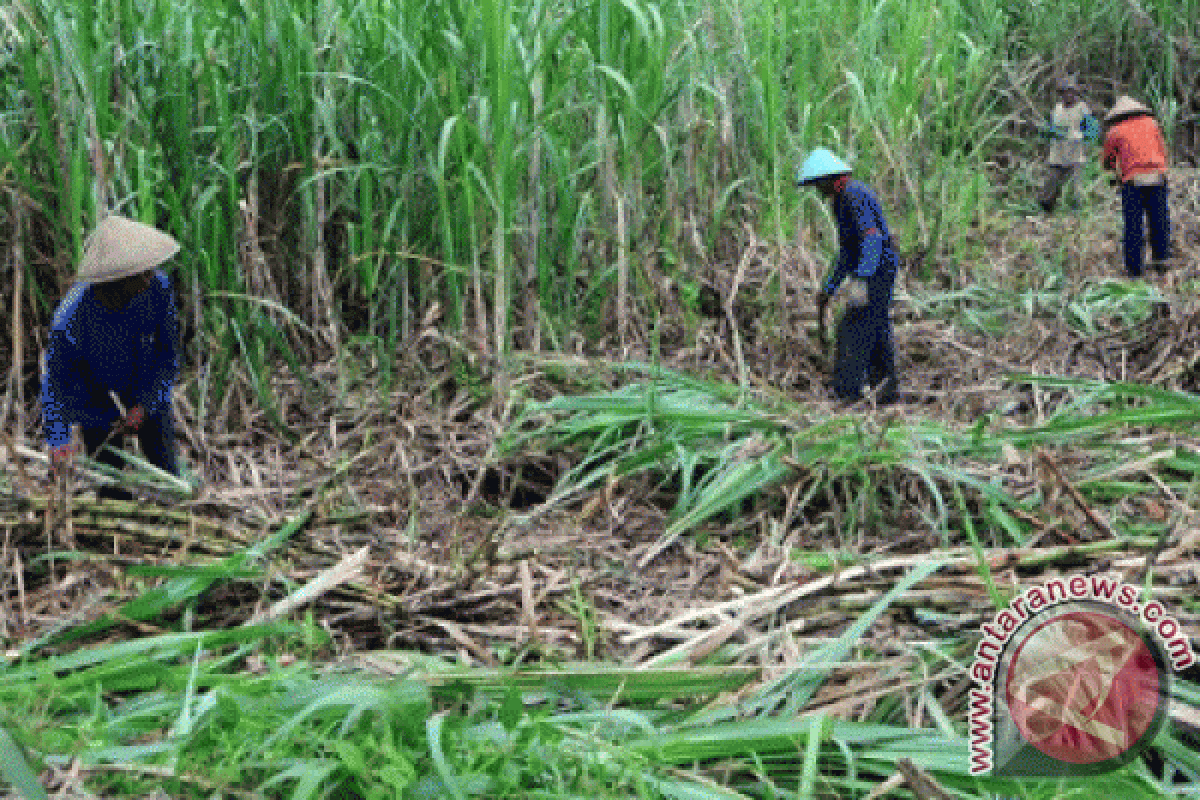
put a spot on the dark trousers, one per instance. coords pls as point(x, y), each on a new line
point(865, 353)
point(1149, 203)
point(156, 437)
point(1057, 176)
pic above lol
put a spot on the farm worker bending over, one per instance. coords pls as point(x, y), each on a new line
point(115, 334)
point(1072, 126)
point(1134, 147)
point(867, 255)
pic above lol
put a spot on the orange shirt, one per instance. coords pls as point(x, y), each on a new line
point(1135, 146)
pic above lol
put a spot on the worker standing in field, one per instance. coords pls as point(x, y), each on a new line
point(866, 255)
point(113, 352)
point(1135, 149)
point(1071, 128)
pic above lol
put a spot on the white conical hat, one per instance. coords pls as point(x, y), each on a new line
point(121, 247)
point(1125, 106)
point(820, 163)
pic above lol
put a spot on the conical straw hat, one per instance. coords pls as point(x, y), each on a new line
point(820, 163)
point(1124, 107)
point(120, 247)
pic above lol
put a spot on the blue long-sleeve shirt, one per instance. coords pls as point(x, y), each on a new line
point(133, 352)
point(864, 241)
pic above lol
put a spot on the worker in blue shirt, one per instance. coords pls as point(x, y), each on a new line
point(113, 352)
point(866, 255)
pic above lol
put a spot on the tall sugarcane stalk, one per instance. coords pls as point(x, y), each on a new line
point(515, 113)
point(16, 382)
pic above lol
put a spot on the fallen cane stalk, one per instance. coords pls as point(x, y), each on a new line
point(50, 524)
point(1092, 516)
point(342, 572)
point(922, 784)
point(59, 511)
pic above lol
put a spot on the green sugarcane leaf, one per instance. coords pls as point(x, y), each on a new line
point(16, 770)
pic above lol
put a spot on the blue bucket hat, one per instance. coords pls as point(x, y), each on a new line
point(820, 164)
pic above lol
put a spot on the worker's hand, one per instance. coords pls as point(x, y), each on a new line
point(132, 420)
point(60, 458)
point(856, 293)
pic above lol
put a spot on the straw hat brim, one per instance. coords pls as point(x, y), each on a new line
point(821, 164)
point(120, 248)
point(1125, 106)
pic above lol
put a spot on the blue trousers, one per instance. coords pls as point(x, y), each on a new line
point(157, 438)
point(1145, 203)
point(865, 353)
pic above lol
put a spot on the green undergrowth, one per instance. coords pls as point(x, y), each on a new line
point(715, 452)
point(232, 713)
point(994, 307)
point(263, 710)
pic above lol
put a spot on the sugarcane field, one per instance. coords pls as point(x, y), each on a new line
point(657, 399)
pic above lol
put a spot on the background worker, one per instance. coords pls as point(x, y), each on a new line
point(1135, 149)
point(1071, 128)
point(867, 254)
point(115, 334)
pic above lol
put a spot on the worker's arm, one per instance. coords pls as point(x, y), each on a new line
point(1108, 157)
point(870, 252)
point(62, 384)
point(841, 268)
